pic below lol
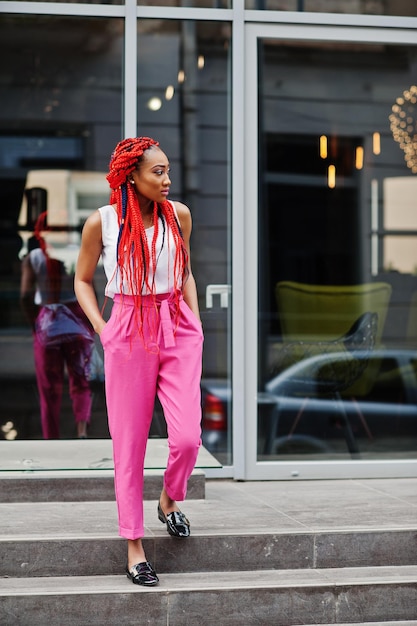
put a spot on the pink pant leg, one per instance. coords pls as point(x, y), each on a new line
point(49, 366)
point(77, 358)
point(130, 382)
point(180, 394)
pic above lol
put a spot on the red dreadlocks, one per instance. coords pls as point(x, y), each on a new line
point(54, 267)
point(133, 256)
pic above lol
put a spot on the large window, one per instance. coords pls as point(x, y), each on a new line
point(61, 115)
point(337, 251)
point(323, 92)
point(184, 101)
point(361, 7)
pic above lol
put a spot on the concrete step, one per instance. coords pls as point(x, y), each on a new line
point(83, 486)
point(264, 553)
point(74, 470)
point(267, 598)
point(53, 538)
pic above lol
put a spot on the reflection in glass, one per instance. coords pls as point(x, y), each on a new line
point(63, 338)
point(185, 65)
point(198, 4)
point(66, 112)
point(400, 254)
point(84, 1)
point(403, 125)
point(360, 7)
point(61, 96)
point(400, 193)
point(337, 244)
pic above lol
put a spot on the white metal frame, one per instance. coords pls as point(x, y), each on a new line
point(339, 30)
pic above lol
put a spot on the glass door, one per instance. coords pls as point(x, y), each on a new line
point(331, 218)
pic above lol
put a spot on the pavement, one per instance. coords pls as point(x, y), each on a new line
point(243, 508)
point(238, 507)
point(319, 505)
point(292, 504)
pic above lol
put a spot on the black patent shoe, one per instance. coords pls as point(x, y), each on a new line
point(177, 524)
point(142, 574)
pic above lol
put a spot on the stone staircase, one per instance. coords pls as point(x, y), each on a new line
point(264, 554)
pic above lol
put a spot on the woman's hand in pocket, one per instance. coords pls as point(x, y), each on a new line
point(100, 327)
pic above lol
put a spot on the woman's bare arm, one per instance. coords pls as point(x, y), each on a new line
point(27, 292)
point(91, 247)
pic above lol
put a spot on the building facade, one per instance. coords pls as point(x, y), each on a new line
point(291, 130)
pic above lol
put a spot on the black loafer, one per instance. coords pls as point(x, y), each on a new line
point(177, 524)
point(142, 574)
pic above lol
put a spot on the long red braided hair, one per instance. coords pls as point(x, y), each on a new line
point(134, 258)
point(54, 268)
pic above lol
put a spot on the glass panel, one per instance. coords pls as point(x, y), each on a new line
point(337, 252)
point(60, 118)
point(82, 1)
point(198, 4)
point(362, 7)
point(400, 195)
point(400, 254)
point(184, 102)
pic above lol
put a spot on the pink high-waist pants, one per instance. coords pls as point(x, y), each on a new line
point(166, 361)
point(50, 365)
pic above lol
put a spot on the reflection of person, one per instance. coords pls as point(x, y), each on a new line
point(62, 335)
point(153, 340)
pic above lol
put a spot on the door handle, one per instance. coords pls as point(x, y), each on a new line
point(218, 290)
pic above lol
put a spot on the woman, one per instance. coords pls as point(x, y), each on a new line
point(62, 336)
point(153, 340)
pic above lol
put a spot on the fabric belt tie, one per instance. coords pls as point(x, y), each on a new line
point(166, 324)
point(167, 312)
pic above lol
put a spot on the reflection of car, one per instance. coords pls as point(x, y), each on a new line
point(216, 404)
point(296, 416)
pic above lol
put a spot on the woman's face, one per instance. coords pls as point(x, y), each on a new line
point(151, 179)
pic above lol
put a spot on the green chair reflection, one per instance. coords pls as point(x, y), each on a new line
point(328, 311)
point(321, 369)
point(323, 313)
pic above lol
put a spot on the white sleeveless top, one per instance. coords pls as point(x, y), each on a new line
point(42, 294)
point(163, 274)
